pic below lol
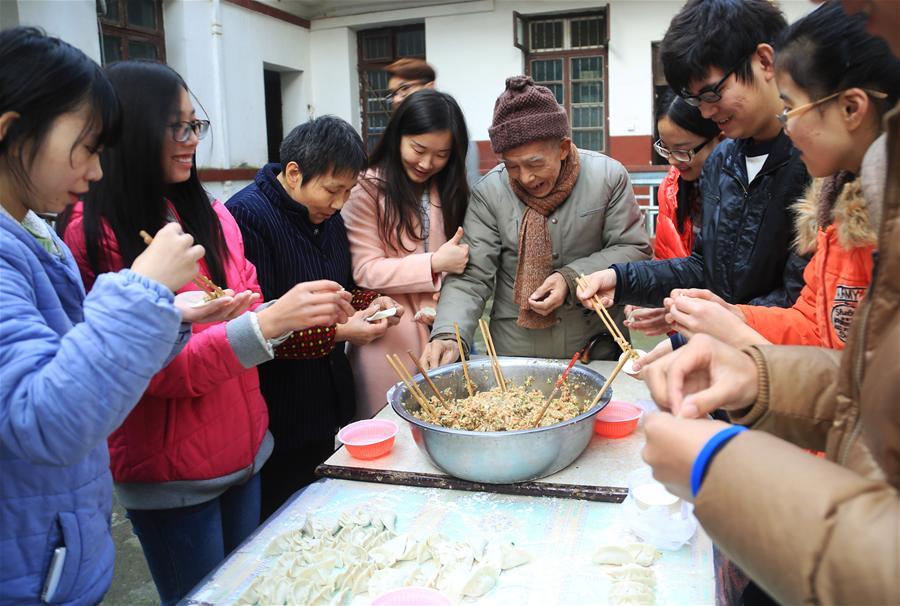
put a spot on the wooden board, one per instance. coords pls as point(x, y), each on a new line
point(599, 474)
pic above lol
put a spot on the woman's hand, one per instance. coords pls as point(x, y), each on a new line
point(358, 331)
point(222, 309)
point(693, 316)
point(673, 445)
point(452, 257)
point(382, 303)
point(702, 376)
point(308, 304)
point(171, 259)
point(649, 320)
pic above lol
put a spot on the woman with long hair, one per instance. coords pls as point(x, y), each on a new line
point(686, 139)
point(71, 366)
point(185, 462)
point(404, 222)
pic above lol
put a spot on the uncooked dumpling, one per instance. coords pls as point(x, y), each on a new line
point(634, 572)
point(482, 579)
point(612, 554)
point(513, 556)
point(631, 592)
point(643, 554)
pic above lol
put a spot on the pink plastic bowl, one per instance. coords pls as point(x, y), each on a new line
point(412, 596)
point(617, 419)
point(368, 439)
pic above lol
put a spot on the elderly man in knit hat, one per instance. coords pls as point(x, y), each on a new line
point(535, 222)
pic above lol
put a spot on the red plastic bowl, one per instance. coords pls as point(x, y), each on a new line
point(617, 419)
point(368, 439)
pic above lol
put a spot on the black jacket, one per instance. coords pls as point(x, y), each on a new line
point(744, 251)
point(307, 399)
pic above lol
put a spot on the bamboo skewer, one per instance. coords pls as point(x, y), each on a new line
point(492, 353)
point(410, 384)
point(202, 282)
point(431, 384)
point(462, 358)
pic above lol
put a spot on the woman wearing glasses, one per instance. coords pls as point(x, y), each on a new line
point(404, 222)
point(686, 139)
point(185, 461)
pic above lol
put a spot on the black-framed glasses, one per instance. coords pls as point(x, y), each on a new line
point(181, 131)
point(787, 114)
point(680, 155)
point(402, 90)
point(709, 94)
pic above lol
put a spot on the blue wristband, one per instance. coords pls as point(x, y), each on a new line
point(708, 451)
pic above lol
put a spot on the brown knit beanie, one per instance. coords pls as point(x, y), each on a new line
point(526, 112)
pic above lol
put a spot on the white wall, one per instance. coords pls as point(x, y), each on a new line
point(471, 47)
point(74, 21)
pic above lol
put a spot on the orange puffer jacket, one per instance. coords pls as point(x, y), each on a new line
point(837, 228)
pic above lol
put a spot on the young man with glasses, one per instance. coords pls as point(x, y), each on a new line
point(718, 54)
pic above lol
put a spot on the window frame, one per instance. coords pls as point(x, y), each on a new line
point(521, 35)
point(365, 65)
point(126, 32)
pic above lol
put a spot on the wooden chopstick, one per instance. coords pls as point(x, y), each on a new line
point(412, 382)
point(608, 321)
point(431, 384)
point(490, 340)
point(462, 358)
point(202, 282)
point(609, 381)
point(495, 363)
point(409, 385)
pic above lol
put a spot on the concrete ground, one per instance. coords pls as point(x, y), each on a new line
point(132, 585)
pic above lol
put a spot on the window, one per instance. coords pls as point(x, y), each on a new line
point(131, 29)
point(378, 49)
point(567, 54)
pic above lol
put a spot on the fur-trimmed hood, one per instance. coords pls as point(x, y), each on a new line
point(834, 200)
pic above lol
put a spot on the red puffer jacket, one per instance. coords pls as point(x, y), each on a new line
point(203, 416)
point(670, 243)
point(837, 276)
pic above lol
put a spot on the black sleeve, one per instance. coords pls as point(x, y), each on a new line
point(647, 283)
point(793, 283)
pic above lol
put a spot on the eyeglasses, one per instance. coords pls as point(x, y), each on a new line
point(787, 114)
point(680, 155)
point(709, 94)
point(181, 131)
point(400, 90)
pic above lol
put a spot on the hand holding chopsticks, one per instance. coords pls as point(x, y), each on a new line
point(608, 321)
point(204, 283)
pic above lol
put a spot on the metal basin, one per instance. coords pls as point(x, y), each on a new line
point(503, 457)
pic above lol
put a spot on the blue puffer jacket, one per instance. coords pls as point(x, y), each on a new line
point(744, 250)
point(71, 368)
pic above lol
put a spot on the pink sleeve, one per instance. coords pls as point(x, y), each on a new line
point(373, 267)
